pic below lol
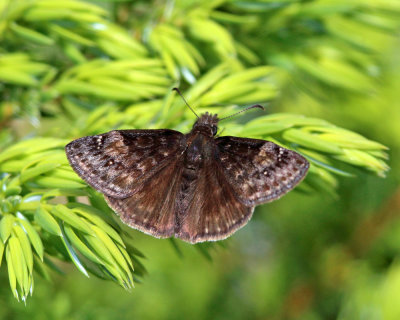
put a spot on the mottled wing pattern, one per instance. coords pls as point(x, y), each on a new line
point(118, 162)
point(152, 208)
point(214, 212)
point(259, 171)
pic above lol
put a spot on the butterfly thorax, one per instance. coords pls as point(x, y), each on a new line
point(200, 145)
point(199, 148)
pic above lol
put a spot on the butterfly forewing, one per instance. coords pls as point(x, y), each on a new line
point(118, 162)
point(259, 171)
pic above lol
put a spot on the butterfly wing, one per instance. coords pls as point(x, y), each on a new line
point(213, 211)
point(260, 171)
point(152, 208)
point(117, 163)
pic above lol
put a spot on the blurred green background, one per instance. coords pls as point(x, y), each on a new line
point(330, 251)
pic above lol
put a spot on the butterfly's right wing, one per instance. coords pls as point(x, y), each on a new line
point(259, 171)
point(117, 163)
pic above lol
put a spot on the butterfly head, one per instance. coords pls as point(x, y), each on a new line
point(207, 124)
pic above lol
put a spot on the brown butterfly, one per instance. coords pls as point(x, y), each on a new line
point(195, 186)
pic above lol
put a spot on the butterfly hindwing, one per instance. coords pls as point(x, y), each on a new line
point(118, 162)
point(259, 171)
point(152, 208)
point(213, 211)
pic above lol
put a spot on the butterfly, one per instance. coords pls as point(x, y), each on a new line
point(197, 186)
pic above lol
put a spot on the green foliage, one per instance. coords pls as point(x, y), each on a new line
point(71, 68)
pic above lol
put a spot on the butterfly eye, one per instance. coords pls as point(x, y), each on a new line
point(214, 130)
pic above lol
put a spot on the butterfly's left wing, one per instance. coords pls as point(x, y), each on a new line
point(152, 208)
point(118, 162)
point(259, 171)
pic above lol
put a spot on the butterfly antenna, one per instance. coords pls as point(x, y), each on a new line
point(183, 98)
point(248, 108)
